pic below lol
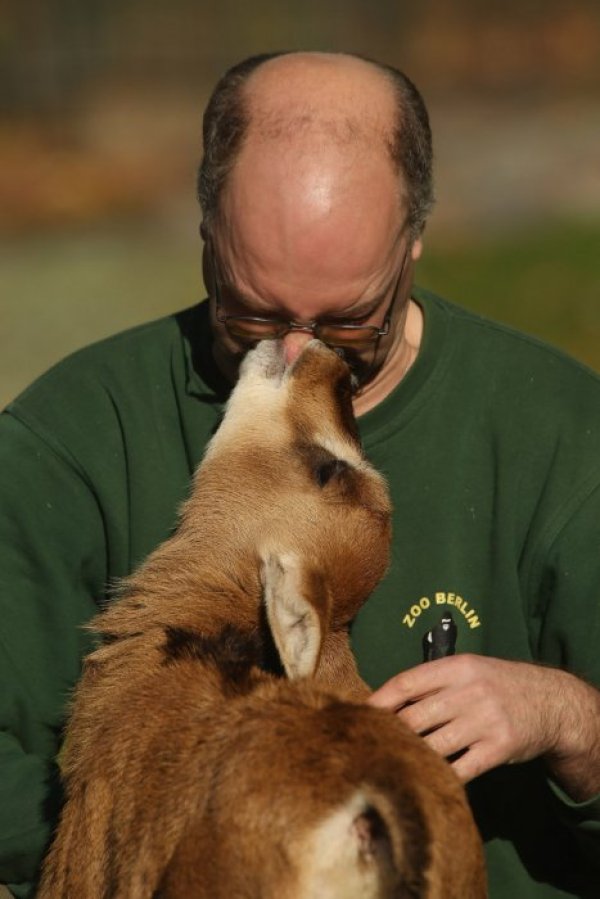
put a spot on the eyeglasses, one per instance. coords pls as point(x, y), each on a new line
point(252, 328)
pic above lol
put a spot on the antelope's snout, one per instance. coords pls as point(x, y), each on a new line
point(267, 362)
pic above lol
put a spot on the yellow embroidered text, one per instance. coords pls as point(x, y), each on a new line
point(442, 599)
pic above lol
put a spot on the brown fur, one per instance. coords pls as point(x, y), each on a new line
point(191, 771)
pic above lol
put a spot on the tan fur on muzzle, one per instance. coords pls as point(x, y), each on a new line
point(192, 769)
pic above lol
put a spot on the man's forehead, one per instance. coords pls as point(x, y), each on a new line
point(311, 199)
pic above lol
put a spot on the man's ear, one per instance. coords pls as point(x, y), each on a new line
point(417, 249)
point(207, 270)
point(297, 606)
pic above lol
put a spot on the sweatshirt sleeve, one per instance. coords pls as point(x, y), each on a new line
point(567, 622)
point(52, 568)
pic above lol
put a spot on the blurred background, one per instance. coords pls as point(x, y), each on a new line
point(100, 136)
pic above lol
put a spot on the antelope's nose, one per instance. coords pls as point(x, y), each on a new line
point(293, 344)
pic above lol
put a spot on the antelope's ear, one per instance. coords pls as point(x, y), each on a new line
point(297, 605)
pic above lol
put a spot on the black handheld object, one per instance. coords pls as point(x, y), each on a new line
point(440, 641)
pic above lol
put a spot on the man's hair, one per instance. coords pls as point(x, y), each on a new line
point(227, 117)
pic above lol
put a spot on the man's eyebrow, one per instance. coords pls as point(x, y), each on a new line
point(358, 309)
point(239, 296)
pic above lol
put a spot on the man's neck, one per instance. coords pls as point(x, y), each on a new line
point(402, 355)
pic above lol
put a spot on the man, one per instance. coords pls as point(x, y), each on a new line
point(315, 186)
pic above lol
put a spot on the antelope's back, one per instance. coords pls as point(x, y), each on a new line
point(318, 798)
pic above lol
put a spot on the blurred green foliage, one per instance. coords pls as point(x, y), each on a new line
point(545, 281)
point(61, 291)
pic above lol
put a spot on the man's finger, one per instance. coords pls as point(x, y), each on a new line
point(478, 759)
point(413, 684)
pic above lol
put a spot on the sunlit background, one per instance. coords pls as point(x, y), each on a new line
point(100, 123)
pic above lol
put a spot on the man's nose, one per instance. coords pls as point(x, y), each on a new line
point(293, 344)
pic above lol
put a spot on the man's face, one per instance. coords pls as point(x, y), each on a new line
point(362, 333)
point(317, 238)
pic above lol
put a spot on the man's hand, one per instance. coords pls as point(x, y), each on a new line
point(488, 712)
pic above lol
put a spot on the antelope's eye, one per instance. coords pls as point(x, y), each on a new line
point(325, 472)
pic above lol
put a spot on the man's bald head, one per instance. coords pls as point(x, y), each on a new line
point(321, 97)
point(299, 102)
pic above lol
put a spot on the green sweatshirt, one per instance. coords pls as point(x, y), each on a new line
point(491, 445)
